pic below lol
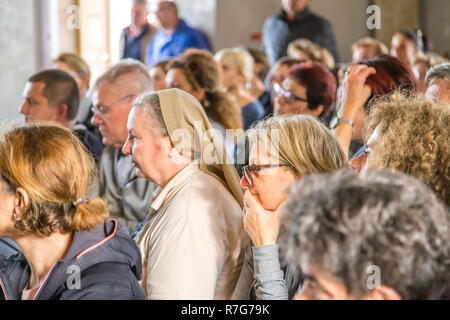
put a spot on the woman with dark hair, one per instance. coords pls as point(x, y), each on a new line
point(370, 79)
point(309, 89)
point(407, 44)
point(197, 73)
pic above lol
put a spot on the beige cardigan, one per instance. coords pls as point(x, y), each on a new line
point(193, 243)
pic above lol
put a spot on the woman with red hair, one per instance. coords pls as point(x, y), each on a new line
point(368, 80)
point(309, 89)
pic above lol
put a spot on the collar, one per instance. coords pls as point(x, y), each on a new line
point(176, 183)
point(298, 17)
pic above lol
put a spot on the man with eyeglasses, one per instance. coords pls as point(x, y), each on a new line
point(129, 197)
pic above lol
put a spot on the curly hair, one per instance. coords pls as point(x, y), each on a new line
point(414, 136)
point(51, 164)
point(202, 72)
point(347, 223)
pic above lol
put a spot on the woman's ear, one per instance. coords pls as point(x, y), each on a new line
point(317, 111)
point(21, 201)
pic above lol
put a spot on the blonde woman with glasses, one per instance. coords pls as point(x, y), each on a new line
point(283, 150)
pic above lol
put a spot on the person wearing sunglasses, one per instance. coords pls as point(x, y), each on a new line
point(283, 150)
point(309, 89)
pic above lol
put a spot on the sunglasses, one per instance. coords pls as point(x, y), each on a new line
point(289, 96)
point(247, 170)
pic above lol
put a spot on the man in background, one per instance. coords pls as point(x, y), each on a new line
point(136, 37)
point(174, 35)
point(294, 21)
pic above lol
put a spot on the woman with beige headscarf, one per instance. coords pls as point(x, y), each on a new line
point(192, 240)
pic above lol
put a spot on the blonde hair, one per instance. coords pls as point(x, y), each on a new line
point(302, 142)
point(380, 47)
point(413, 139)
point(240, 59)
point(51, 164)
point(76, 63)
point(313, 50)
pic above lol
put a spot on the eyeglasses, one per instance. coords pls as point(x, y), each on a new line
point(104, 110)
point(246, 170)
point(289, 96)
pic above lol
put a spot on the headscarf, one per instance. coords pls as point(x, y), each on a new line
point(193, 136)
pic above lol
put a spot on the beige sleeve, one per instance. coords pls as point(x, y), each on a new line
point(187, 254)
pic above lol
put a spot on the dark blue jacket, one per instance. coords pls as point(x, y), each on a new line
point(278, 32)
point(105, 260)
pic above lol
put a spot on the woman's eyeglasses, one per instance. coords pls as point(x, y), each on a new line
point(289, 96)
point(247, 170)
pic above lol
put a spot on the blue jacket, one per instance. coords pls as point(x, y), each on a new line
point(165, 46)
point(105, 260)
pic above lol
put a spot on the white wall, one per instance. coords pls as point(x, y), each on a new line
point(16, 55)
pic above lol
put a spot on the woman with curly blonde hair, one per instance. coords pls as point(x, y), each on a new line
point(410, 135)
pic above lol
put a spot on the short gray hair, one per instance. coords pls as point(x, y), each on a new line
point(152, 110)
point(440, 71)
point(126, 67)
point(345, 223)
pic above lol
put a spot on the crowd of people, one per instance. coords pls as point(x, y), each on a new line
point(245, 174)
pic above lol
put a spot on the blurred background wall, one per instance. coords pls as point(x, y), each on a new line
point(36, 31)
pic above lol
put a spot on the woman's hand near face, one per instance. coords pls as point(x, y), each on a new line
point(355, 93)
point(261, 225)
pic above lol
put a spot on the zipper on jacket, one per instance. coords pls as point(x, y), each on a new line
point(45, 280)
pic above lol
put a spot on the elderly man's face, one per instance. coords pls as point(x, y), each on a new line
point(294, 6)
point(113, 102)
point(439, 89)
point(167, 14)
point(148, 149)
point(35, 106)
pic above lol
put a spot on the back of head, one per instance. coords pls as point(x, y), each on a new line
point(60, 88)
point(51, 164)
point(391, 75)
point(239, 59)
point(76, 63)
point(380, 47)
point(319, 82)
point(300, 141)
point(128, 72)
point(202, 72)
point(413, 138)
point(260, 57)
point(314, 51)
point(440, 71)
point(348, 224)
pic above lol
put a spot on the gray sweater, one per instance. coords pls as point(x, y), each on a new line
point(262, 277)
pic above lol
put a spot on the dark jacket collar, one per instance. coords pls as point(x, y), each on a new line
point(298, 17)
point(108, 242)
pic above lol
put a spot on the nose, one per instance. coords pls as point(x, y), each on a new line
point(126, 149)
point(24, 108)
point(358, 162)
point(96, 119)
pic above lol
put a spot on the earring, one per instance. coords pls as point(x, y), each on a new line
point(15, 217)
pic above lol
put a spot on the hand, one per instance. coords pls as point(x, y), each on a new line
point(261, 225)
point(355, 90)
